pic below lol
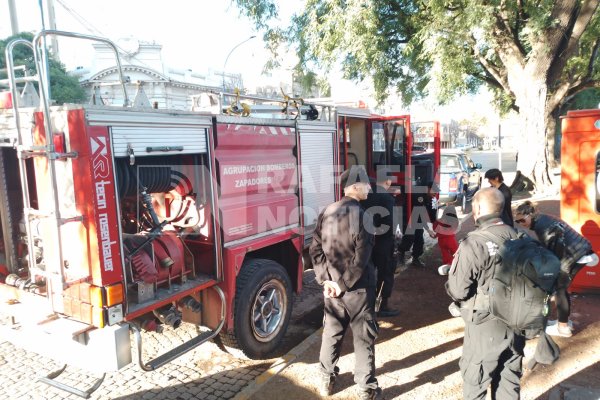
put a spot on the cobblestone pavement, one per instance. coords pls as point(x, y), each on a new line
point(204, 373)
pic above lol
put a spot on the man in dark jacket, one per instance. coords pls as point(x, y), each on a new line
point(379, 206)
point(495, 178)
point(341, 256)
point(423, 211)
point(568, 245)
point(492, 352)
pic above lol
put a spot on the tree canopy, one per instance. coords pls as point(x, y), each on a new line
point(449, 47)
point(63, 87)
point(532, 54)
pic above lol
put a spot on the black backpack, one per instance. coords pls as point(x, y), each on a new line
point(522, 282)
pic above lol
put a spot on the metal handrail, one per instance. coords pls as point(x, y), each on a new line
point(182, 348)
point(39, 36)
point(41, 62)
point(22, 167)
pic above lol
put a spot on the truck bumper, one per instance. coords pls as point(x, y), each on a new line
point(68, 341)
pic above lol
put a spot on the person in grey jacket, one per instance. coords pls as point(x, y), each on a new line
point(568, 245)
point(492, 352)
point(341, 256)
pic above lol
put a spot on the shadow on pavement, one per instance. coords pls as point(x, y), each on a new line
point(569, 390)
point(420, 357)
point(432, 376)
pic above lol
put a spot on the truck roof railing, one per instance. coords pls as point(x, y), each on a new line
point(245, 105)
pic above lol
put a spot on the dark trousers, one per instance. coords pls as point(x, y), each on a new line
point(383, 258)
point(562, 298)
point(492, 356)
point(415, 241)
point(354, 309)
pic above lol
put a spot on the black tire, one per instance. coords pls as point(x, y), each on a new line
point(258, 332)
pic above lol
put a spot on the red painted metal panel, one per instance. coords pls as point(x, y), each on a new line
point(233, 259)
point(254, 136)
point(82, 183)
point(6, 100)
point(97, 237)
point(257, 174)
point(579, 186)
point(243, 172)
point(110, 268)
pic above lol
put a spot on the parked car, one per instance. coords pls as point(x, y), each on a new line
point(464, 146)
point(460, 177)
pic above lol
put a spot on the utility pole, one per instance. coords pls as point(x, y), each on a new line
point(499, 146)
point(52, 26)
point(12, 10)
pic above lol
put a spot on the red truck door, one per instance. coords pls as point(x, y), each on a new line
point(580, 185)
point(390, 144)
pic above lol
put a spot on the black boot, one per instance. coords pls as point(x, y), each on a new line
point(371, 394)
point(326, 383)
point(385, 310)
point(417, 263)
point(401, 257)
point(400, 261)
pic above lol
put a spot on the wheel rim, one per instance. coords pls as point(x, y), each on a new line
point(268, 310)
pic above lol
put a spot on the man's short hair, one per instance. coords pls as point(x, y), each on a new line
point(492, 198)
point(494, 173)
point(354, 174)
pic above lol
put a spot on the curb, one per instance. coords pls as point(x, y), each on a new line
point(279, 365)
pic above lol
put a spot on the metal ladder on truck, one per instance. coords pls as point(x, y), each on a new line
point(54, 268)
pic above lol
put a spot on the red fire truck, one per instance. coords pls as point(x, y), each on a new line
point(580, 185)
point(118, 220)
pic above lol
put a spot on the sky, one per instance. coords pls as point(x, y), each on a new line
point(194, 34)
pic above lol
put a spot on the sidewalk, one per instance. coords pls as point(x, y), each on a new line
point(417, 352)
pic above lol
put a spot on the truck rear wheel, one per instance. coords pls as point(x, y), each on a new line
point(262, 309)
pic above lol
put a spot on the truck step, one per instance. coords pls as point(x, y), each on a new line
point(50, 380)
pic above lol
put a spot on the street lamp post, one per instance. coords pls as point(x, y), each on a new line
point(229, 54)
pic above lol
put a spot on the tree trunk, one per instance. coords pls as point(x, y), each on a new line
point(533, 154)
point(551, 122)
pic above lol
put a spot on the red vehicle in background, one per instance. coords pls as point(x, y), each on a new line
point(580, 185)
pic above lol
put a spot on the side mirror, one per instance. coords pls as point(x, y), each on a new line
point(478, 165)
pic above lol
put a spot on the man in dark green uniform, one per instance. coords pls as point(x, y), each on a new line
point(341, 256)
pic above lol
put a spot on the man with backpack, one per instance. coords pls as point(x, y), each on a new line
point(492, 351)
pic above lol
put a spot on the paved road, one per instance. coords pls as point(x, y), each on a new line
point(204, 373)
point(491, 159)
